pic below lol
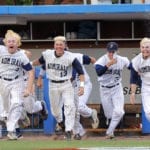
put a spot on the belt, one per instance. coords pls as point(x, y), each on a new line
point(7, 79)
point(60, 81)
point(110, 86)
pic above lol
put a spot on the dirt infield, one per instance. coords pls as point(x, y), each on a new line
point(97, 135)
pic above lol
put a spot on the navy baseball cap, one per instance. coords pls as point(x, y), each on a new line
point(112, 46)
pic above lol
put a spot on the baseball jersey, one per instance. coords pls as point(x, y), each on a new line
point(60, 68)
point(12, 65)
point(142, 66)
point(83, 60)
point(113, 74)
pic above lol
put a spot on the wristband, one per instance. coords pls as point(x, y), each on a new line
point(81, 84)
point(31, 62)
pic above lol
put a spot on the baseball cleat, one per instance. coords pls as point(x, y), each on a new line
point(12, 136)
point(44, 111)
point(25, 122)
point(77, 137)
point(82, 132)
point(3, 120)
point(60, 128)
point(18, 133)
point(110, 136)
point(95, 119)
point(68, 136)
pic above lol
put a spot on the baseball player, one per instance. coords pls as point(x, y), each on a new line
point(140, 66)
point(109, 69)
point(30, 103)
point(3, 114)
point(12, 63)
point(81, 101)
point(25, 121)
point(59, 64)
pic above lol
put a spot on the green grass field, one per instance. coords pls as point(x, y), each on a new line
point(25, 144)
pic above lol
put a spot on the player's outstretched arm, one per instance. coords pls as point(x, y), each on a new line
point(36, 62)
point(28, 53)
point(88, 59)
point(93, 60)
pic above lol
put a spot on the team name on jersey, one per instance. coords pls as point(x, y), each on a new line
point(11, 61)
point(57, 67)
point(113, 71)
point(145, 69)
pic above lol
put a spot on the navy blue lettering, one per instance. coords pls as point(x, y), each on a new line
point(57, 67)
point(11, 61)
point(145, 69)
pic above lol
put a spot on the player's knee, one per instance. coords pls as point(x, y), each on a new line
point(119, 113)
point(80, 108)
point(69, 109)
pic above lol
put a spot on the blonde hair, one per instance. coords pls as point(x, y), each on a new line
point(11, 33)
point(144, 40)
point(60, 38)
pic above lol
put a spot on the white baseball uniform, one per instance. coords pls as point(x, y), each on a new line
point(142, 68)
point(11, 87)
point(30, 103)
point(59, 73)
point(111, 91)
point(81, 101)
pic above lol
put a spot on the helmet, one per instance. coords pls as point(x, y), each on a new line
point(112, 46)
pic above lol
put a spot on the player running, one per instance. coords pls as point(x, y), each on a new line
point(59, 64)
point(140, 66)
point(109, 69)
point(12, 63)
point(81, 101)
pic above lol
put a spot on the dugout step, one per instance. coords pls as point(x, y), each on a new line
point(117, 130)
point(131, 118)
